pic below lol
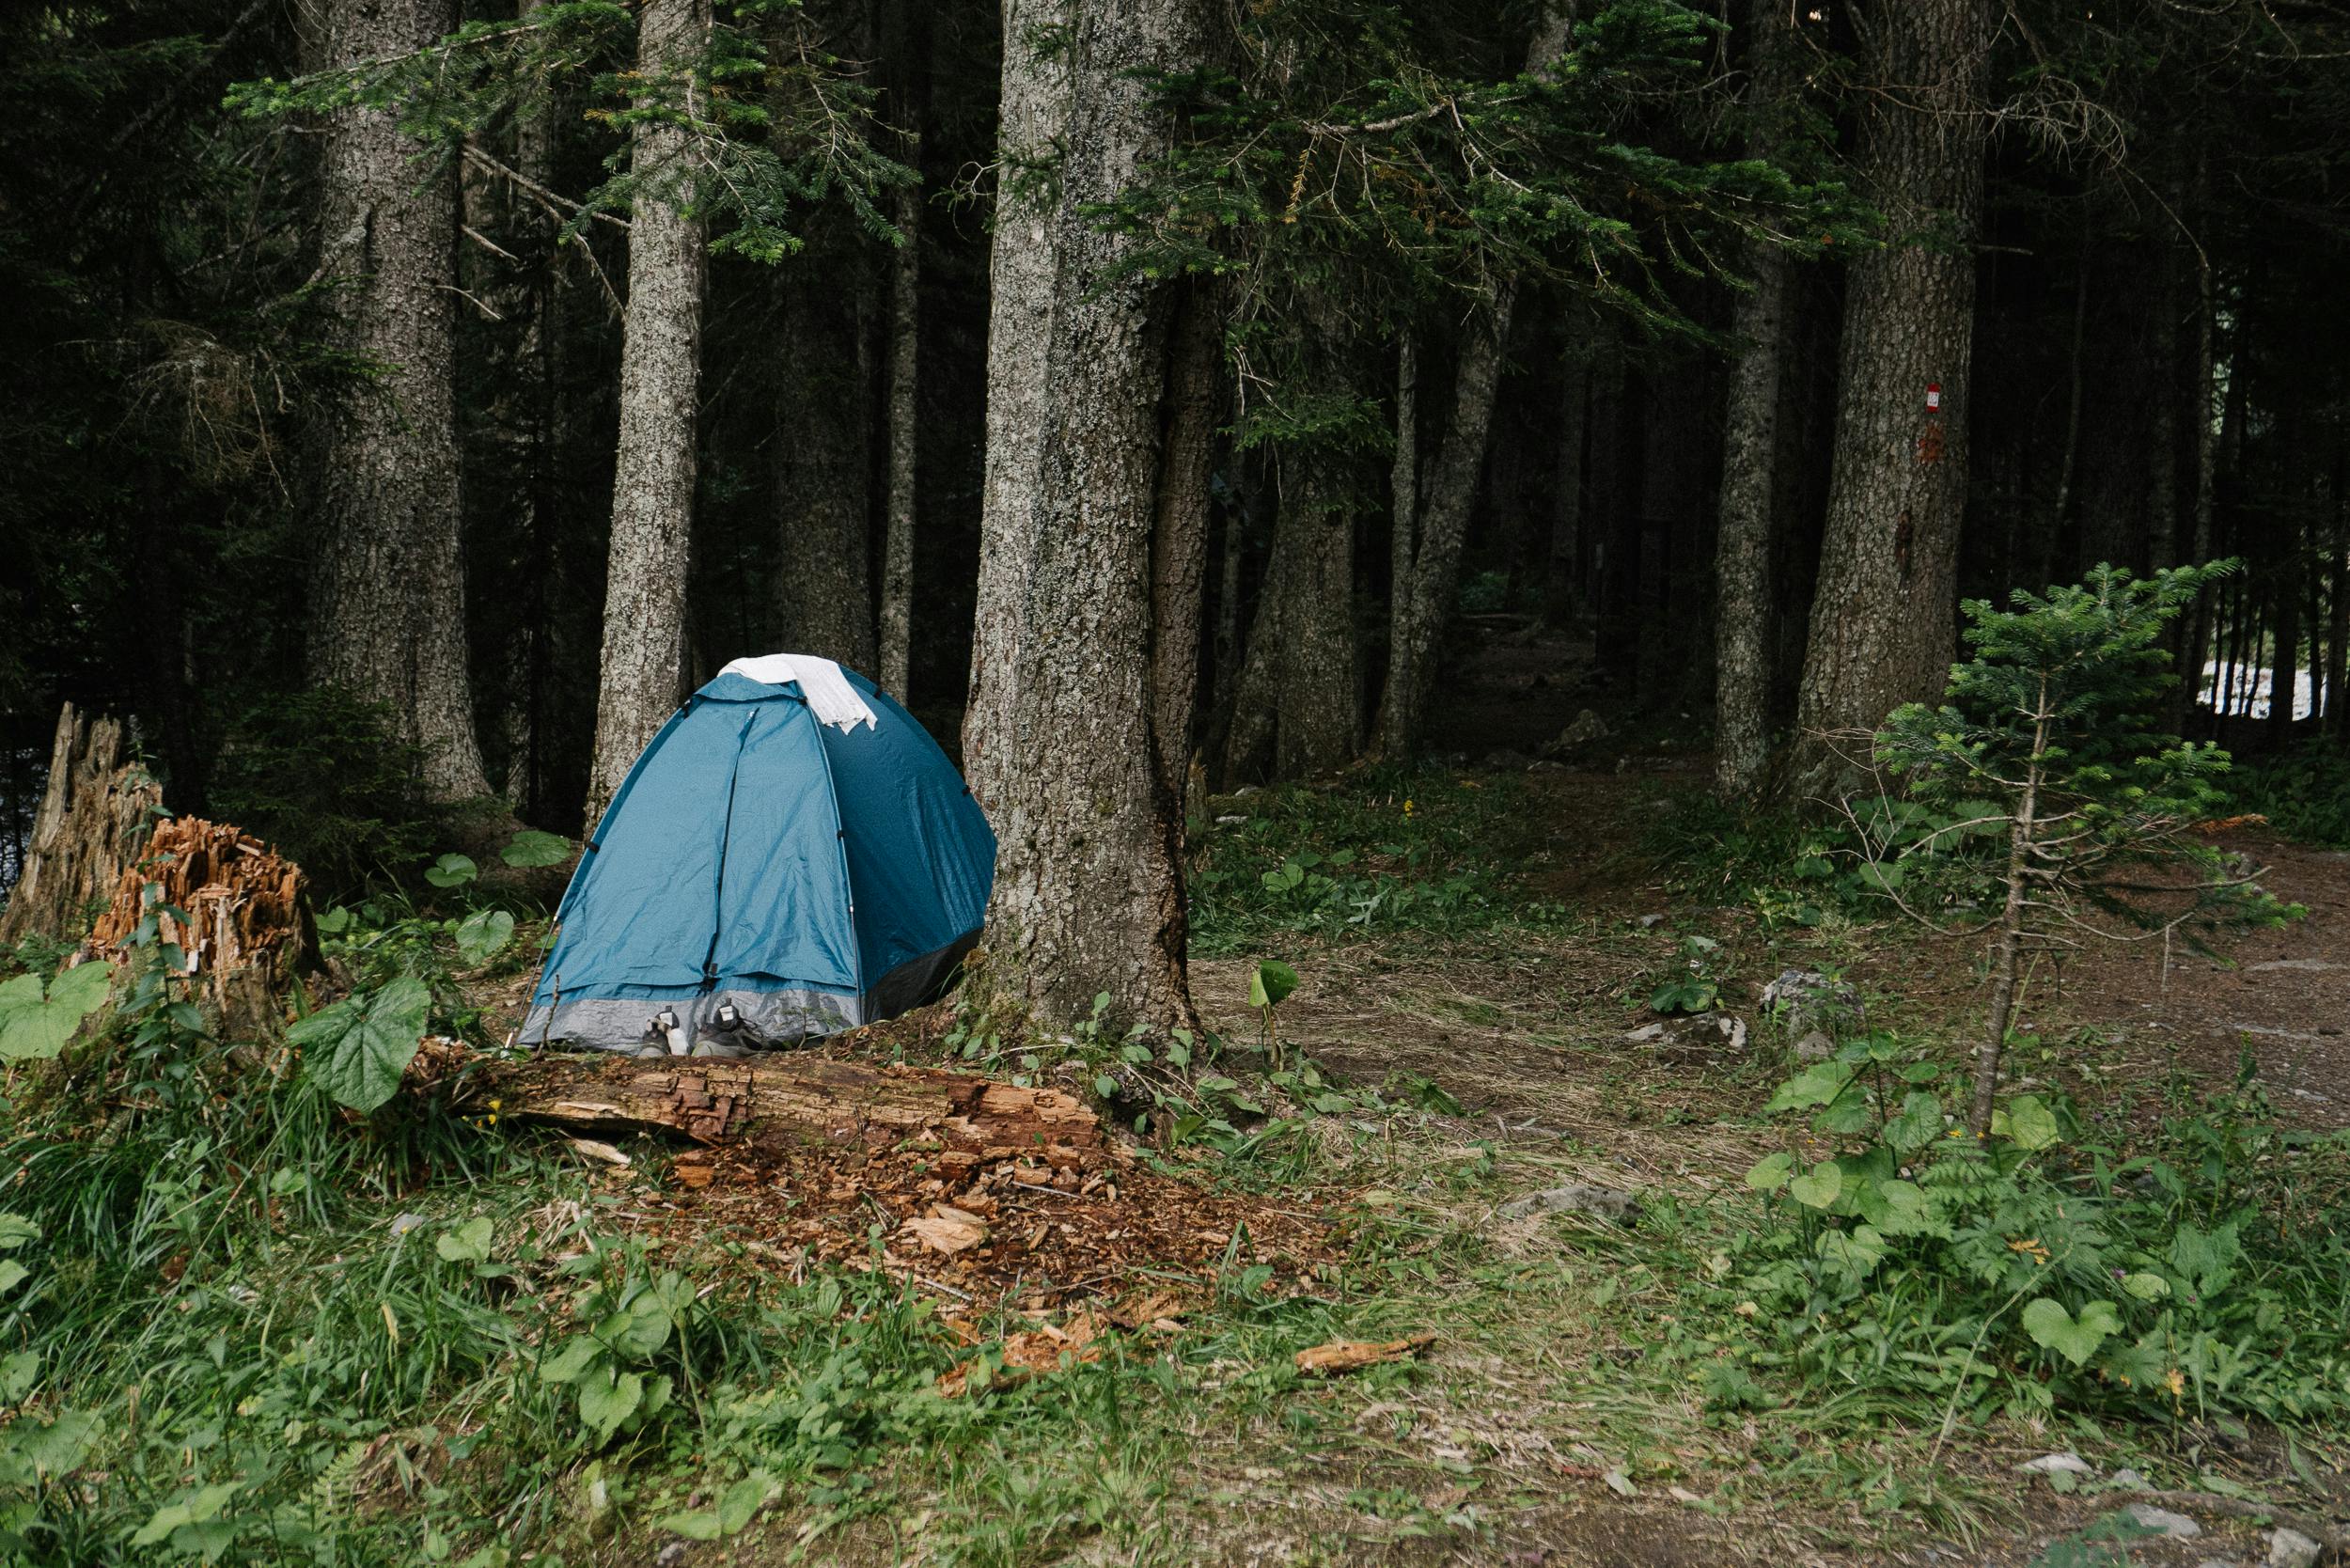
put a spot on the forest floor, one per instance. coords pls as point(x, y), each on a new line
point(1476, 947)
point(1114, 1377)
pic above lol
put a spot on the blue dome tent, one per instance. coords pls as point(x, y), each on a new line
point(793, 852)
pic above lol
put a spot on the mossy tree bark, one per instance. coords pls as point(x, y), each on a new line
point(642, 668)
point(1748, 527)
point(387, 586)
point(1883, 618)
point(1088, 876)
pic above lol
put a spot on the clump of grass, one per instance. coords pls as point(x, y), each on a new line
point(1391, 850)
point(2305, 793)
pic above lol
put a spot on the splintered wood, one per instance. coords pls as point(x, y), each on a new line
point(247, 923)
point(965, 1185)
point(91, 816)
point(787, 1102)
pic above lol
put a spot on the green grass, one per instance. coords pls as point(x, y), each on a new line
point(1389, 851)
point(2305, 793)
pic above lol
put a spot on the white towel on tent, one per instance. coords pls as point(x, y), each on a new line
point(830, 697)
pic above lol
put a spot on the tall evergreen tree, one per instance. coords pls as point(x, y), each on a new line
point(1884, 616)
point(643, 667)
point(1089, 877)
point(387, 591)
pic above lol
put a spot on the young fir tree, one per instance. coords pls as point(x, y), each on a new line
point(2051, 735)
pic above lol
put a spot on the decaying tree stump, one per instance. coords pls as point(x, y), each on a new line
point(93, 817)
point(786, 1102)
point(249, 927)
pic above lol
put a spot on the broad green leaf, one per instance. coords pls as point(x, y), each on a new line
point(19, 1370)
point(1855, 1252)
point(358, 1048)
point(1106, 1085)
point(1918, 1123)
point(1819, 1187)
point(605, 1402)
point(59, 1446)
point(578, 1353)
point(1906, 1209)
point(1270, 983)
point(2030, 1123)
point(700, 1524)
point(531, 848)
point(1813, 1086)
point(468, 1243)
point(740, 1502)
point(12, 1273)
point(194, 1509)
point(2075, 1339)
point(2146, 1287)
point(483, 933)
point(36, 1029)
point(451, 870)
point(15, 1231)
point(1771, 1171)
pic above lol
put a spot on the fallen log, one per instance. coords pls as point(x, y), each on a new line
point(786, 1102)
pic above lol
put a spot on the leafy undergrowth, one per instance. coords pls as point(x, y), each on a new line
point(246, 1324)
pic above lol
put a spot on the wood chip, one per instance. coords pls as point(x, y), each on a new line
point(603, 1153)
point(945, 1233)
point(1346, 1355)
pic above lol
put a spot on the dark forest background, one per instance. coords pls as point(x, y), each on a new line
point(2157, 325)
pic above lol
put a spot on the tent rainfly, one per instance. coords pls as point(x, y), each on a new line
point(792, 856)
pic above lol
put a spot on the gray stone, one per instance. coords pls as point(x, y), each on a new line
point(1708, 1037)
point(2163, 1522)
point(1815, 1047)
point(2130, 1480)
point(669, 1556)
point(1807, 1003)
point(1576, 1198)
point(403, 1224)
point(2067, 1461)
point(2306, 965)
point(2290, 1548)
point(1584, 730)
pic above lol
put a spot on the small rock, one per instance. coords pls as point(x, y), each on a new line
point(2290, 1548)
point(1576, 1199)
point(1815, 1047)
point(1807, 1002)
point(1583, 729)
point(1648, 922)
point(1708, 1037)
point(2068, 1462)
point(669, 1556)
point(2217, 1562)
point(2129, 1480)
point(2163, 1522)
point(403, 1224)
point(1230, 821)
point(2306, 966)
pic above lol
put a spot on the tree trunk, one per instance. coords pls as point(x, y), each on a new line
point(643, 670)
point(387, 589)
point(1031, 119)
point(2284, 659)
point(1744, 546)
point(1179, 539)
point(1562, 593)
point(2338, 605)
point(897, 593)
point(1429, 553)
point(822, 491)
point(1883, 620)
point(1088, 874)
